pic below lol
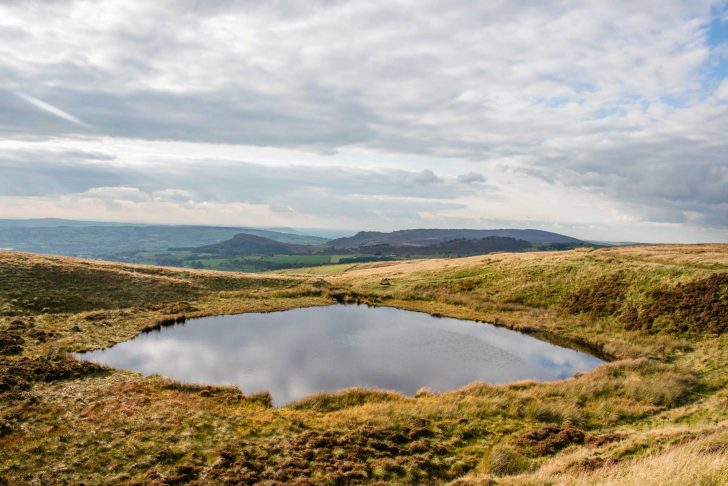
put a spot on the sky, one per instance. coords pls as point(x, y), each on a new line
point(605, 120)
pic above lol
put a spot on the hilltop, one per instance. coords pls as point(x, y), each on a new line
point(246, 244)
point(422, 237)
point(654, 414)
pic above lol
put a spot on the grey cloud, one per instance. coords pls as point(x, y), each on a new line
point(426, 177)
point(471, 178)
point(319, 191)
point(382, 210)
point(256, 183)
point(662, 178)
point(38, 173)
point(236, 117)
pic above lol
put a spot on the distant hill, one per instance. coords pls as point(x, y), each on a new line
point(423, 237)
point(74, 238)
point(245, 244)
point(253, 249)
point(55, 223)
point(459, 247)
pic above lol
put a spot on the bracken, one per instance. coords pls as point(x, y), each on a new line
point(549, 439)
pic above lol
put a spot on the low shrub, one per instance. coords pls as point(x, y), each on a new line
point(550, 439)
point(351, 397)
point(700, 306)
point(669, 389)
point(21, 373)
point(506, 461)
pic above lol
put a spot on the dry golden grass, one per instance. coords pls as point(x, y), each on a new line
point(691, 457)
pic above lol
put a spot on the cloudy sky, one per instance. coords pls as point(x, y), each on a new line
point(602, 119)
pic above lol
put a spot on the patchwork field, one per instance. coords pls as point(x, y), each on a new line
point(656, 413)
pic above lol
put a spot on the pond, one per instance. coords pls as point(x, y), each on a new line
point(299, 352)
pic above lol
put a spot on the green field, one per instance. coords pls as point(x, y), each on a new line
point(257, 263)
point(248, 263)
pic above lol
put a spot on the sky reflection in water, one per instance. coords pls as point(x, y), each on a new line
point(295, 353)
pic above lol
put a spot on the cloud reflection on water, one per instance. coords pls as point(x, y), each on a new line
point(299, 352)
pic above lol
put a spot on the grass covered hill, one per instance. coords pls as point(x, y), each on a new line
point(655, 414)
point(251, 253)
point(245, 244)
point(458, 247)
point(423, 237)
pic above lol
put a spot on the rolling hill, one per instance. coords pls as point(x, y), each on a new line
point(422, 237)
point(457, 247)
point(246, 244)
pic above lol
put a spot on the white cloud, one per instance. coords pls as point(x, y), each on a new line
point(120, 193)
point(722, 91)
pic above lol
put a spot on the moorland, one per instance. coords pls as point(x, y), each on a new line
point(655, 413)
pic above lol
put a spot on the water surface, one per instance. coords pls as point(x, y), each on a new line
point(298, 352)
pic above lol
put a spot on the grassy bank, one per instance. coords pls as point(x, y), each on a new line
point(657, 413)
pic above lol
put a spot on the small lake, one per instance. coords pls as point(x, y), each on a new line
point(296, 353)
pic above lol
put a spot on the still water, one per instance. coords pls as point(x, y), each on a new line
point(298, 352)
